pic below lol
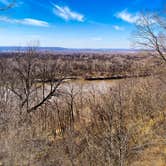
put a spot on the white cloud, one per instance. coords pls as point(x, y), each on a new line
point(67, 14)
point(96, 38)
point(30, 21)
point(118, 28)
point(128, 17)
point(136, 18)
point(25, 21)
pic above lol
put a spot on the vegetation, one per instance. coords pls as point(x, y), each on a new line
point(45, 119)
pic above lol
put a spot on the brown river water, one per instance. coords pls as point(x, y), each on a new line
point(101, 86)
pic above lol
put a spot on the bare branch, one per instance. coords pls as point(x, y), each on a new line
point(146, 35)
point(10, 5)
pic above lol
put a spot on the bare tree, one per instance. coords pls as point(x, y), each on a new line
point(30, 76)
point(151, 33)
point(8, 6)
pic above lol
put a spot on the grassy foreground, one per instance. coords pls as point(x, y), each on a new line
point(124, 126)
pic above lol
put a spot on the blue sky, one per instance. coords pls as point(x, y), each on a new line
point(72, 23)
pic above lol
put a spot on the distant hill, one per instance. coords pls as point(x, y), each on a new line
point(61, 49)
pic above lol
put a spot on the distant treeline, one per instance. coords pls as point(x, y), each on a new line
point(96, 65)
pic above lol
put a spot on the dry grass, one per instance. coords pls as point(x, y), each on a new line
point(124, 125)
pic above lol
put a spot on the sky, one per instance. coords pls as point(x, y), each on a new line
point(72, 23)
